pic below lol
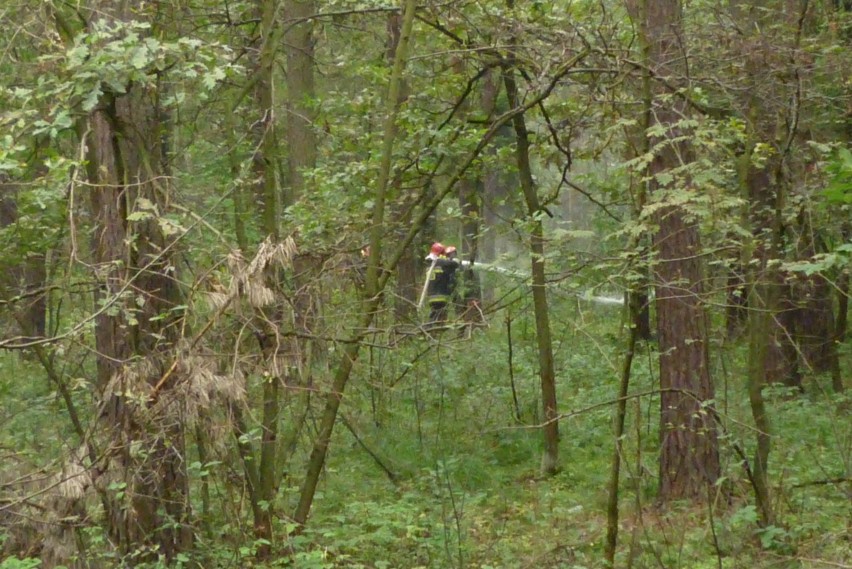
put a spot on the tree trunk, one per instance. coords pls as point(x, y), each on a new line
point(611, 543)
point(375, 280)
point(133, 264)
point(25, 277)
point(409, 267)
point(468, 291)
point(814, 313)
point(689, 457)
point(302, 156)
point(301, 134)
point(689, 454)
point(490, 187)
point(378, 274)
point(267, 167)
point(550, 457)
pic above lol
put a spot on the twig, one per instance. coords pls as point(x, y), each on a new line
point(390, 474)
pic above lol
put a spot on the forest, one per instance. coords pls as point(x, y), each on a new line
point(223, 341)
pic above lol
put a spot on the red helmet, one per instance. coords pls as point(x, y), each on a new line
point(437, 248)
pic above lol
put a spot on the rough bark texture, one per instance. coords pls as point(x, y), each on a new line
point(135, 323)
point(137, 279)
point(689, 454)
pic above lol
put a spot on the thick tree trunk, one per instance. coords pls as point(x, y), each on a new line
point(134, 266)
point(689, 453)
point(136, 320)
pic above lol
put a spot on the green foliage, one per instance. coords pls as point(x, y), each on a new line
point(15, 563)
point(839, 189)
point(456, 425)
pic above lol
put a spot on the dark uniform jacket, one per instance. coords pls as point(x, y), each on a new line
point(442, 280)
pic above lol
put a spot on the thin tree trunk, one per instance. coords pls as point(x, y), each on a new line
point(767, 360)
point(638, 299)
point(301, 133)
point(611, 543)
point(760, 323)
point(267, 157)
point(489, 187)
point(267, 167)
point(379, 274)
point(374, 282)
point(816, 331)
point(550, 457)
point(408, 270)
point(469, 291)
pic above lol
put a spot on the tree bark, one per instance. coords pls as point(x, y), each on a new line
point(489, 187)
point(409, 267)
point(374, 281)
point(689, 454)
point(814, 313)
point(267, 166)
point(611, 542)
point(26, 277)
point(547, 373)
point(133, 264)
point(468, 291)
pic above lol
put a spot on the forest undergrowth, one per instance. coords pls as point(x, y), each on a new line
point(437, 465)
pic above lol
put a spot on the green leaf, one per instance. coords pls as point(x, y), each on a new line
point(211, 78)
point(139, 216)
point(139, 59)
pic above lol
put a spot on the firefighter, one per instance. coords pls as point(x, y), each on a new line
point(438, 282)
